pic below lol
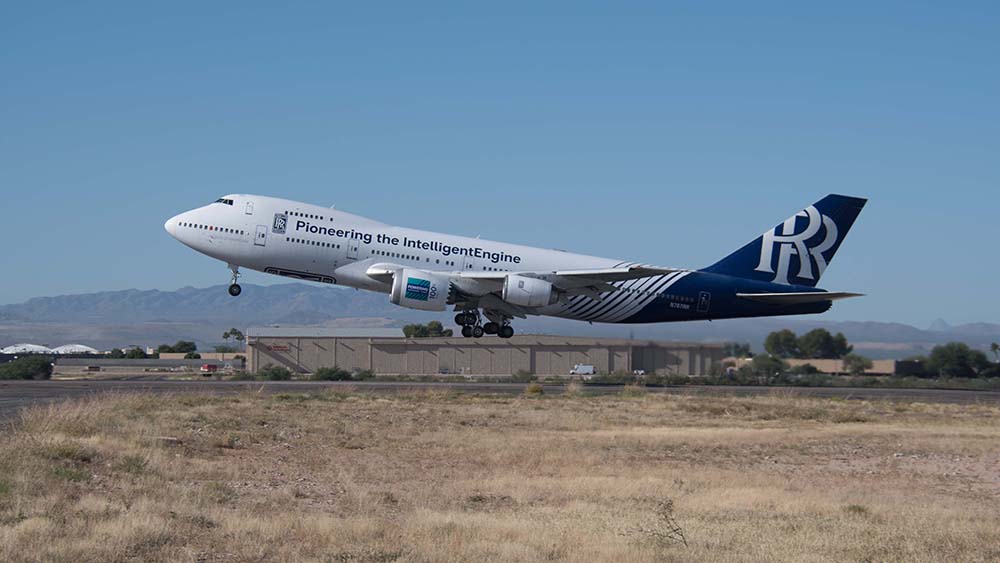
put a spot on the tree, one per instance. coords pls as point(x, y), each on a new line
point(27, 367)
point(819, 343)
point(116, 354)
point(737, 350)
point(435, 328)
point(856, 364)
point(956, 359)
point(995, 348)
point(430, 330)
point(185, 346)
point(782, 344)
point(235, 334)
point(192, 356)
point(135, 354)
point(840, 346)
point(768, 367)
point(181, 347)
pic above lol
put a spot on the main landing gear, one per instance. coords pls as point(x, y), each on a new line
point(471, 324)
point(234, 288)
point(473, 327)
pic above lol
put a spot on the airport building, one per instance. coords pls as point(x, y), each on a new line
point(386, 352)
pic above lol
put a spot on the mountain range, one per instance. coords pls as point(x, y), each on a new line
point(150, 317)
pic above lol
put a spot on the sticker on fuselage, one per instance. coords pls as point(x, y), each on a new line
point(418, 289)
point(280, 222)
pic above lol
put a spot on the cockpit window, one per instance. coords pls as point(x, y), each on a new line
point(224, 200)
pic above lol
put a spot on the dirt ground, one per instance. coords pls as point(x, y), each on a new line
point(436, 476)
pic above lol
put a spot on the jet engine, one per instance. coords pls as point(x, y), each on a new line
point(418, 289)
point(528, 292)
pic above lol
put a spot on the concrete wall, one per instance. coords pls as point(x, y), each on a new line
point(832, 367)
point(543, 355)
point(227, 356)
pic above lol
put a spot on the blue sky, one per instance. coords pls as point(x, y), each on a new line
point(670, 134)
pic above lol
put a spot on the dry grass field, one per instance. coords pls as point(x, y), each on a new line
point(438, 477)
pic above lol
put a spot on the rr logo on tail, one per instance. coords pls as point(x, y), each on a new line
point(790, 243)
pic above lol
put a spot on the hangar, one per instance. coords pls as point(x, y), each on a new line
point(385, 352)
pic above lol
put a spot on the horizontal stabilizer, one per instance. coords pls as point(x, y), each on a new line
point(798, 298)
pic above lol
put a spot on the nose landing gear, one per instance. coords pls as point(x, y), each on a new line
point(234, 288)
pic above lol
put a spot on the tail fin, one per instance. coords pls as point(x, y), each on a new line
point(797, 251)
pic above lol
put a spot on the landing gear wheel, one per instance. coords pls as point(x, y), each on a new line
point(506, 331)
point(491, 328)
point(466, 319)
point(477, 331)
point(467, 331)
point(234, 288)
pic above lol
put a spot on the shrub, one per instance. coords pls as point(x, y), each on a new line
point(804, 369)
point(633, 391)
point(856, 364)
point(28, 367)
point(364, 374)
point(534, 389)
point(815, 380)
point(274, 373)
point(192, 356)
point(331, 374)
point(523, 376)
point(616, 378)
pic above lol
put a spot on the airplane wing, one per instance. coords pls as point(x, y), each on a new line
point(481, 288)
point(589, 282)
point(564, 279)
point(798, 298)
point(573, 279)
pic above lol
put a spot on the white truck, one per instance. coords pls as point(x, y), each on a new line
point(583, 369)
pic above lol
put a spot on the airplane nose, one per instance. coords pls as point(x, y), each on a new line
point(171, 226)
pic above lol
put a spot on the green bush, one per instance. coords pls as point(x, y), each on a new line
point(363, 375)
point(523, 376)
point(28, 367)
point(534, 389)
point(274, 373)
point(616, 378)
point(192, 356)
point(331, 374)
point(804, 369)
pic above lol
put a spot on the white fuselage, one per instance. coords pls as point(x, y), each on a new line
point(321, 244)
point(431, 271)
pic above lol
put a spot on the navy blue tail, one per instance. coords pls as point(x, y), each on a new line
point(797, 251)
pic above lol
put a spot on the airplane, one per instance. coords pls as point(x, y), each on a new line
point(490, 283)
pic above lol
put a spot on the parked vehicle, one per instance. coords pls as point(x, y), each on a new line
point(583, 369)
point(209, 368)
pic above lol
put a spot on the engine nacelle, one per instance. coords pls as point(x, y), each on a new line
point(528, 292)
point(418, 289)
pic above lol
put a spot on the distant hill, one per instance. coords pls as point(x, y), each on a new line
point(290, 303)
point(150, 317)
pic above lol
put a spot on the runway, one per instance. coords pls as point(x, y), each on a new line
point(17, 394)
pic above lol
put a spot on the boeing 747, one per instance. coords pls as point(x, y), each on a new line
point(490, 283)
